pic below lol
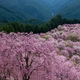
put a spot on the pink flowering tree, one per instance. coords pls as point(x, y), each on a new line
point(31, 56)
point(21, 56)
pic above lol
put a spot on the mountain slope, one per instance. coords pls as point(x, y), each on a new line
point(37, 9)
point(11, 14)
point(72, 10)
point(34, 8)
point(49, 2)
point(32, 21)
point(57, 5)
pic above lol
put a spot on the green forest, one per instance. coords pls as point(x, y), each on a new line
point(37, 26)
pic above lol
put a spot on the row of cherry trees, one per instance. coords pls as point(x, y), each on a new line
point(53, 55)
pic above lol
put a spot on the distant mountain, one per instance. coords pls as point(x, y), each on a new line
point(35, 8)
point(72, 10)
point(57, 5)
point(40, 9)
point(11, 14)
point(49, 2)
point(32, 21)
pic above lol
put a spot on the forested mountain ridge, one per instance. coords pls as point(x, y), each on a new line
point(57, 5)
point(34, 8)
point(41, 9)
point(72, 10)
point(11, 14)
point(32, 21)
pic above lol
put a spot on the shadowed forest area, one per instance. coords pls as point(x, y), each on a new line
point(36, 26)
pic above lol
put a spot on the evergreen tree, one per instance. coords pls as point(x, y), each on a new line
point(29, 28)
point(11, 28)
point(0, 24)
point(36, 28)
point(6, 29)
point(22, 27)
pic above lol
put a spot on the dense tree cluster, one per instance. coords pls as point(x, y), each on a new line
point(54, 55)
point(53, 23)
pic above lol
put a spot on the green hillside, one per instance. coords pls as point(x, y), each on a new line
point(11, 14)
point(35, 8)
point(57, 5)
point(72, 10)
point(32, 21)
point(39, 9)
